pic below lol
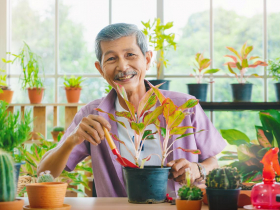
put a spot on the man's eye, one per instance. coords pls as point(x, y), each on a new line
point(110, 59)
point(130, 54)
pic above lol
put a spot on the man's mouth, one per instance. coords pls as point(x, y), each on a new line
point(123, 76)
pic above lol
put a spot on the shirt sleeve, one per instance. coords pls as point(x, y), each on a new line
point(209, 142)
point(80, 151)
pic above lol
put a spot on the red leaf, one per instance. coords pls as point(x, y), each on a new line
point(233, 57)
point(262, 138)
point(190, 150)
point(117, 139)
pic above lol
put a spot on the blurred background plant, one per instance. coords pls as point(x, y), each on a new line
point(73, 82)
point(274, 68)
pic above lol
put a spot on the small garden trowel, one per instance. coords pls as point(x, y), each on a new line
point(123, 161)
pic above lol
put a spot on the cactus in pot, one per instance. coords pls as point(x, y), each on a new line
point(56, 131)
point(45, 177)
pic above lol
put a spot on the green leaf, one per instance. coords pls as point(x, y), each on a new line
point(231, 71)
point(262, 152)
point(232, 157)
point(244, 63)
point(110, 116)
point(138, 127)
point(234, 51)
point(235, 137)
point(144, 160)
point(270, 124)
point(244, 153)
point(151, 117)
point(193, 151)
point(248, 50)
point(125, 114)
point(273, 113)
point(238, 66)
point(189, 104)
point(180, 130)
point(163, 132)
point(149, 134)
point(188, 134)
point(211, 71)
point(262, 139)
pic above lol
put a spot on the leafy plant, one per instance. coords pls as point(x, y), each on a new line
point(34, 154)
point(223, 178)
point(274, 68)
point(160, 40)
point(241, 62)
point(188, 191)
point(58, 128)
point(108, 88)
point(73, 82)
point(31, 65)
point(203, 64)
point(142, 117)
point(14, 130)
point(3, 77)
point(250, 152)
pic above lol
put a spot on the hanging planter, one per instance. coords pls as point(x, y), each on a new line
point(241, 92)
point(35, 95)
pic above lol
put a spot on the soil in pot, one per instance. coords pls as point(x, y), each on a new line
point(165, 86)
point(73, 94)
point(198, 90)
point(147, 185)
point(219, 199)
point(188, 204)
point(7, 96)
point(12, 205)
point(241, 92)
point(35, 95)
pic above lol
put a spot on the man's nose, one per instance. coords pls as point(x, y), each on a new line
point(122, 64)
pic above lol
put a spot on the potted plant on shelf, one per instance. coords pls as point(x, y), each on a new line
point(199, 90)
point(7, 183)
point(31, 66)
point(190, 195)
point(73, 88)
point(153, 184)
point(242, 91)
point(56, 131)
point(223, 188)
point(6, 94)
point(274, 69)
point(14, 132)
point(160, 41)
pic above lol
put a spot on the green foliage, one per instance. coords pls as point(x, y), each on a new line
point(159, 39)
point(203, 64)
point(250, 153)
point(45, 177)
point(73, 82)
point(7, 182)
point(223, 178)
point(190, 193)
point(274, 68)
point(31, 65)
point(58, 128)
point(14, 131)
point(108, 88)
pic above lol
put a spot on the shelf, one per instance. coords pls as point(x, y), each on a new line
point(234, 106)
point(51, 104)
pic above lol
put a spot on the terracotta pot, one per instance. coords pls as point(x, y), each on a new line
point(55, 134)
point(188, 204)
point(12, 205)
point(73, 94)
point(46, 195)
point(7, 96)
point(35, 95)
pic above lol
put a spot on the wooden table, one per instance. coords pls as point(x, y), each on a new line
point(112, 204)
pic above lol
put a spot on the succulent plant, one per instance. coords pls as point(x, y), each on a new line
point(45, 177)
point(7, 182)
point(58, 128)
point(190, 193)
point(223, 178)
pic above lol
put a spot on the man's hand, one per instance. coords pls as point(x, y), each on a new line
point(89, 129)
point(177, 172)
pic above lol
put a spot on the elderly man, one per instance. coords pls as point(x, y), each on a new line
point(123, 58)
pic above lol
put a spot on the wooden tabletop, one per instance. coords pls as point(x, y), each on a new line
point(112, 204)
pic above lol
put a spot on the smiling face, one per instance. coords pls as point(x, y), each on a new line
point(123, 62)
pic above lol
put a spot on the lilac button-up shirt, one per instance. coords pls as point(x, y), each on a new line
point(107, 171)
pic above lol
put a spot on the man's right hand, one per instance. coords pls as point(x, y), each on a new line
point(89, 129)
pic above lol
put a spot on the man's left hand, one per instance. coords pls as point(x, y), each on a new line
point(177, 172)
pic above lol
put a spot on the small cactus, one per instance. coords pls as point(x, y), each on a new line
point(58, 128)
point(223, 178)
point(45, 177)
point(7, 182)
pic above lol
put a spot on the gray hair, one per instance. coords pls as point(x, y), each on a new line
point(119, 30)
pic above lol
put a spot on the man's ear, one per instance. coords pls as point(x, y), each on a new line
point(149, 56)
point(98, 66)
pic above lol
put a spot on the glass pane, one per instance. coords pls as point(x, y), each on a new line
point(191, 28)
point(92, 89)
point(237, 22)
point(223, 92)
point(79, 23)
point(33, 22)
point(273, 31)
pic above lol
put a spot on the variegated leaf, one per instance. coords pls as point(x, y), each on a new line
point(149, 134)
point(110, 116)
point(232, 57)
point(121, 91)
point(152, 116)
point(175, 119)
point(144, 160)
point(138, 127)
point(159, 95)
point(263, 141)
point(188, 134)
point(196, 152)
point(189, 104)
point(234, 51)
point(117, 139)
point(127, 115)
point(180, 130)
point(150, 103)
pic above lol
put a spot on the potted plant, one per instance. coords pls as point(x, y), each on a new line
point(31, 65)
point(153, 184)
point(73, 88)
point(242, 91)
point(223, 188)
point(7, 183)
point(199, 90)
point(160, 41)
point(274, 69)
point(14, 132)
point(55, 132)
point(6, 94)
point(190, 195)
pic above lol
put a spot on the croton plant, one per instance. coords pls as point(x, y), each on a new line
point(142, 117)
point(250, 152)
point(241, 62)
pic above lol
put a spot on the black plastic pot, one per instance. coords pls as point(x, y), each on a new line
point(219, 199)
point(198, 90)
point(277, 91)
point(165, 86)
point(241, 92)
point(17, 170)
point(147, 185)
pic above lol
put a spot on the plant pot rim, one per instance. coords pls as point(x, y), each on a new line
point(189, 200)
point(241, 83)
point(72, 88)
point(46, 184)
point(213, 189)
point(197, 83)
point(34, 88)
point(8, 90)
point(16, 200)
point(148, 168)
